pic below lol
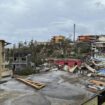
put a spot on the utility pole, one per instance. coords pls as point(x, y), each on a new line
point(74, 34)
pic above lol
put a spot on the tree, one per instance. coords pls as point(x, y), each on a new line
point(83, 47)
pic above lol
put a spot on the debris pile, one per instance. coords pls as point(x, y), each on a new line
point(59, 83)
point(91, 69)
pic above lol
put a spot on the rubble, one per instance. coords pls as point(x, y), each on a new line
point(63, 86)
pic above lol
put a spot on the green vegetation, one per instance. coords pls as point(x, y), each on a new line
point(81, 49)
point(40, 52)
point(26, 71)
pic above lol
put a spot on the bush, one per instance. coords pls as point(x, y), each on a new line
point(26, 71)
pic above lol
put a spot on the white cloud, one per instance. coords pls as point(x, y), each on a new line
point(41, 19)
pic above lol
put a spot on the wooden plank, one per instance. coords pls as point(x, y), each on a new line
point(89, 68)
point(92, 90)
point(37, 84)
point(101, 64)
point(33, 84)
point(98, 83)
point(99, 75)
point(72, 69)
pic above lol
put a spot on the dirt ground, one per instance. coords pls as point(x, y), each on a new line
point(62, 88)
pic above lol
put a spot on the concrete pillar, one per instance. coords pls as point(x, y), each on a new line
point(2, 59)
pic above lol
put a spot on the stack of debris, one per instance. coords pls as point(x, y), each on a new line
point(95, 86)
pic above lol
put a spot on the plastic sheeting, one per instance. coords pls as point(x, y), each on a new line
point(101, 71)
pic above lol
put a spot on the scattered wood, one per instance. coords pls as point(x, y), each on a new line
point(100, 64)
point(34, 84)
point(72, 69)
point(98, 83)
point(92, 90)
point(90, 68)
point(100, 75)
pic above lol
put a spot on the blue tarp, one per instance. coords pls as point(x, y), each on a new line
point(101, 71)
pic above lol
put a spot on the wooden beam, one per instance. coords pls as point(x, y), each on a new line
point(98, 83)
point(34, 84)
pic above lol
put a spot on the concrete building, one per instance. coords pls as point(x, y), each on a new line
point(87, 38)
point(42, 43)
point(97, 43)
point(57, 39)
point(91, 38)
point(21, 59)
point(2, 56)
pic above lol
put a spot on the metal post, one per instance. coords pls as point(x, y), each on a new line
point(74, 34)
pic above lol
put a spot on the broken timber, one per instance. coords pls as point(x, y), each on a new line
point(93, 90)
point(34, 84)
point(72, 69)
point(89, 68)
point(98, 83)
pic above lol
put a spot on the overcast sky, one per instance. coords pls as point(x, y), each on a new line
point(22, 20)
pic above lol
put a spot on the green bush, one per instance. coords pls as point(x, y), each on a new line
point(26, 71)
